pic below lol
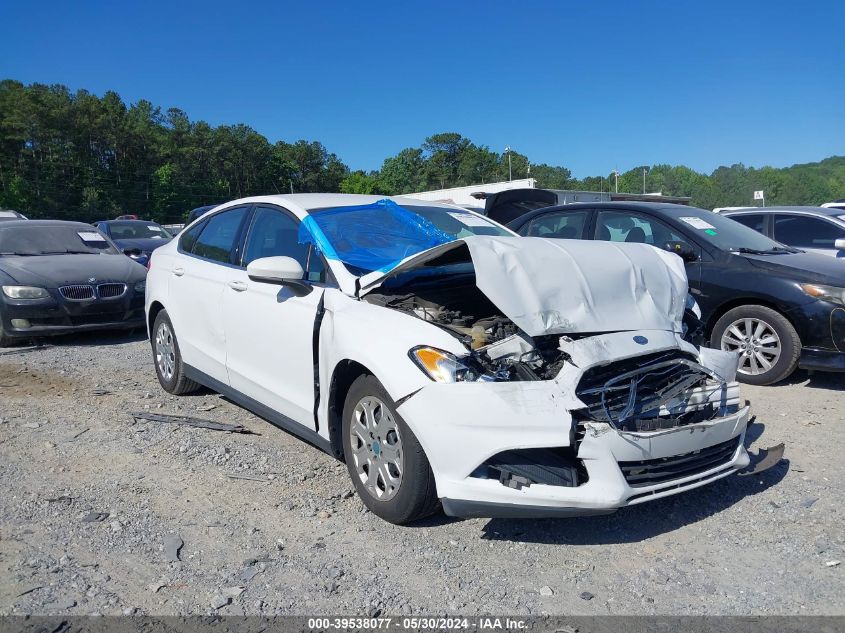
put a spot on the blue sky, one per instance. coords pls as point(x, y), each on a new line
point(585, 84)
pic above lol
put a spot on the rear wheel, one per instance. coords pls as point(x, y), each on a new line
point(767, 343)
point(168, 361)
point(385, 460)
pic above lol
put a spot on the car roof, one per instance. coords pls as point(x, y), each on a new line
point(786, 209)
point(659, 208)
point(308, 202)
point(30, 223)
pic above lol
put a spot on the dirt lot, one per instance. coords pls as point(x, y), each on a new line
point(94, 506)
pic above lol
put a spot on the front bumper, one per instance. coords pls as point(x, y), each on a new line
point(823, 337)
point(485, 419)
point(54, 316)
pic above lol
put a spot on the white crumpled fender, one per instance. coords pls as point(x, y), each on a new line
point(379, 339)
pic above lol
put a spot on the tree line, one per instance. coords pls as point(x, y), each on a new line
point(75, 155)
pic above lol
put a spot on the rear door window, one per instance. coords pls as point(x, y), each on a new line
point(754, 221)
point(806, 232)
point(565, 225)
point(616, 226)
point(218, 239)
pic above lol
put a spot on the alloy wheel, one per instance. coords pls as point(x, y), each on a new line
point(376, 448)
point(756, 341)
point(165, 351)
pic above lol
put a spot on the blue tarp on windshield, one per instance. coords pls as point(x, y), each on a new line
point(370, 237)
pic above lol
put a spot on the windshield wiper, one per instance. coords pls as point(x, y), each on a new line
point(67, 253)
point(16, 254)
point(776, 250)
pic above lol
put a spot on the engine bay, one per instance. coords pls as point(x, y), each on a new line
point(501, 351)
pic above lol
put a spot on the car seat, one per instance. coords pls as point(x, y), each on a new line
point(636, 235)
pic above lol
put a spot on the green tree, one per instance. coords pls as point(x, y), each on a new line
point(360, 182)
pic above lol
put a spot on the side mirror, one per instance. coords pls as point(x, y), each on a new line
point(683, 249)
point(282, 271)
point(840, 244)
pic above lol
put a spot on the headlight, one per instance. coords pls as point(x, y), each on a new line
point(828, 293)
point(141, 286)
point(442, 366)
point(25, 292)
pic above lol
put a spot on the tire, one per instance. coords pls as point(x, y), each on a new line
point(387, 447)
point(167, 359)
point(770, 331)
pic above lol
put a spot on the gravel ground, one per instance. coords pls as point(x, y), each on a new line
point(102, 514)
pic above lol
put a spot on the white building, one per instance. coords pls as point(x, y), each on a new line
point(463, 195)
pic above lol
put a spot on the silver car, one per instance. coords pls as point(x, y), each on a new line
point(813, 229)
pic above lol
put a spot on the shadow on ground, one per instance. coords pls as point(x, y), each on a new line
point(830, 380)
point(639, 522)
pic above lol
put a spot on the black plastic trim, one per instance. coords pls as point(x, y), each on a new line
point(315, 342)
point(466, 508)
point(261, 410)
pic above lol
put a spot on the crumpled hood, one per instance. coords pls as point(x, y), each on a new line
point(52, 271)
point(552, 286)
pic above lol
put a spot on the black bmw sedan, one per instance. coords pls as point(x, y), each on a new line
point(59, 277)
point(778, 306)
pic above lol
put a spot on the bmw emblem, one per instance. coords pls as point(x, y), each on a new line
point(91, 280)
point(640, 340)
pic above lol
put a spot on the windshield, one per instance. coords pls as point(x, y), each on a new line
point(53, 239)
point(380, 235)
point(724, 233)
point(137, 231)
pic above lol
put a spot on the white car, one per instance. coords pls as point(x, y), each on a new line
point(447, 360)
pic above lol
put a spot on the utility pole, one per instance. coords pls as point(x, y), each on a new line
point(645, 170)
point(615, 173)
point(510, 171)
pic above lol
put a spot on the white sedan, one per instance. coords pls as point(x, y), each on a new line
point(448, 361)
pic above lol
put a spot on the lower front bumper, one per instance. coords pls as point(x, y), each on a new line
point(484, 420)
point(52, 318)
point(821, 359)
point(484, 509)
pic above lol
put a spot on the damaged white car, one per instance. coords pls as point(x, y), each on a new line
point(446, 360)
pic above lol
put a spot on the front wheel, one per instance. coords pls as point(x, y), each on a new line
point(767, 343)
point(385, 460)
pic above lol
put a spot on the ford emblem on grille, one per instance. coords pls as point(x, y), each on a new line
point(641, 340)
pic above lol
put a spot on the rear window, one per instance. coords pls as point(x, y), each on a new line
point(137, 231)
point(218, 236)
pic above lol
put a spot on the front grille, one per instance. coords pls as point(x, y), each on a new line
point(649, 472)
point(111, 291)
point(77, 293)
point(638, 394)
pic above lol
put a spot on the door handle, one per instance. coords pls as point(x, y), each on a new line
point(238, 286)
point(178, 271)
